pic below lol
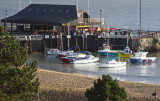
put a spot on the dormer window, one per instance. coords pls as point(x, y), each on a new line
point(44, 10)
point(59, 11)
point(67, 11)
point(52, 10)
point(30, 9)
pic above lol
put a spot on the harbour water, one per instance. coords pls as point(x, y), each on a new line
point(144, 73)
point(120, 14)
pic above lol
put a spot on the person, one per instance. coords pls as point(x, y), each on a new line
point(74, 34)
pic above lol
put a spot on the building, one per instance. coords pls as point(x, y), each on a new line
point(46, 18)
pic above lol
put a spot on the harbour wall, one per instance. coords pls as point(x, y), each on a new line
point(89, 43)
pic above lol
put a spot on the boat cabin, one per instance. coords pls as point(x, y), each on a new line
point(127, 50)
point(141, 54)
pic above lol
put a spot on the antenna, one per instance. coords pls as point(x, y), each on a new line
point(140, 19)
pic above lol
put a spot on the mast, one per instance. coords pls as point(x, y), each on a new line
point(140, 20)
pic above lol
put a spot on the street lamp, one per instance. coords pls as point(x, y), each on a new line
point(6, 17)
point(100, 17)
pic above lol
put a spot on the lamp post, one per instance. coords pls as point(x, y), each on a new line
point(140, 18)
point(100, 17)
point(6, 18)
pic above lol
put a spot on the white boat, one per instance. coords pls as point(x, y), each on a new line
point(77, 55)
point(53, 51)
point(65, 53)
point(141, 57)
point(87, 59)
point(111, 64)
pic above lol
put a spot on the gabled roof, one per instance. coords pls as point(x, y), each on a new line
point(44, 14)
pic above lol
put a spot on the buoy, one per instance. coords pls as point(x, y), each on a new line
point(146, 60)
point(151, 60)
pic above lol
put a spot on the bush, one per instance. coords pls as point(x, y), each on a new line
point(106, 89)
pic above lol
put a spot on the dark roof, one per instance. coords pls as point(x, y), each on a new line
point(44, 14)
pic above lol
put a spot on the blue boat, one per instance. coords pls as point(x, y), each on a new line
point(140, 57)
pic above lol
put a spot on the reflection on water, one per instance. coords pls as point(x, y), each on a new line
point(146, 73)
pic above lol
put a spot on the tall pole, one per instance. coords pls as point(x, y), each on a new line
point(140, 19)
point(100, 16)
point(29, 1)
point(68, 35)
point(20, 5)
point(77, 6)
point(88, 11)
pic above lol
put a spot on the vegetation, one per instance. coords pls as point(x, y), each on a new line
point(106, 89)
point(17, 78)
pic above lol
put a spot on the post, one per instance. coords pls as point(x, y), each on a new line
point(6, 18)
point(68, 37)
point(88, 12)
point(100, 16)
point(140, 19)
point(77, 6)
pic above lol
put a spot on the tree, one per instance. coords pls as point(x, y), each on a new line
point(106, 89)
point(17, 78)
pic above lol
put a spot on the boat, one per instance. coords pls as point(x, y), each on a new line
point(87, 59)
point(126, 53)
point(53, 51)
point(77, 56)
point(112, 63)
point(106, 51)
point(65, 53)
point(141, 57)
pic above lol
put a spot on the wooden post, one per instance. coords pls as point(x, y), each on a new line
point(11, 26)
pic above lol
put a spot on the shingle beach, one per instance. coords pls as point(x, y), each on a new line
point(57, 86)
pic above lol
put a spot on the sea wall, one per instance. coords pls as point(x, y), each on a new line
point(91, 43)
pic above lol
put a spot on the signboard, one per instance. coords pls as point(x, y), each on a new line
point(46, 36)
point(53, 37)
point(68, 36)
point(99, 36)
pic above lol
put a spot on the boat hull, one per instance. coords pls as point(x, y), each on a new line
point(108, 53)
point(84, 61)
point(145, 60)
point(118, 64)
point(124, 55)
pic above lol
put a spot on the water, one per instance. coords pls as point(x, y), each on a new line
point(144, 73)
point(123, 14)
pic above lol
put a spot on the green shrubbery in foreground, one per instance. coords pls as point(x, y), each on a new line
point(17, 79)
point(106, 89)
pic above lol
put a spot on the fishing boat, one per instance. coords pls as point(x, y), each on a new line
point(53, 51)
point(112, 63)
point(87, 59)
point(107, 51)
point(141, 57)
point(126, 53)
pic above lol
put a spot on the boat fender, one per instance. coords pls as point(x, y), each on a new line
point(146, 60)
point(151, 60)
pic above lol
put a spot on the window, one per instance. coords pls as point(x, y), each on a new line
point(52, 10)
point(30, 9)
point(59, 11)
point(67, 11)
point(37, 9)
point(44, 10)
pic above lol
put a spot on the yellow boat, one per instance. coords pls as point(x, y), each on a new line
point(126, 53)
